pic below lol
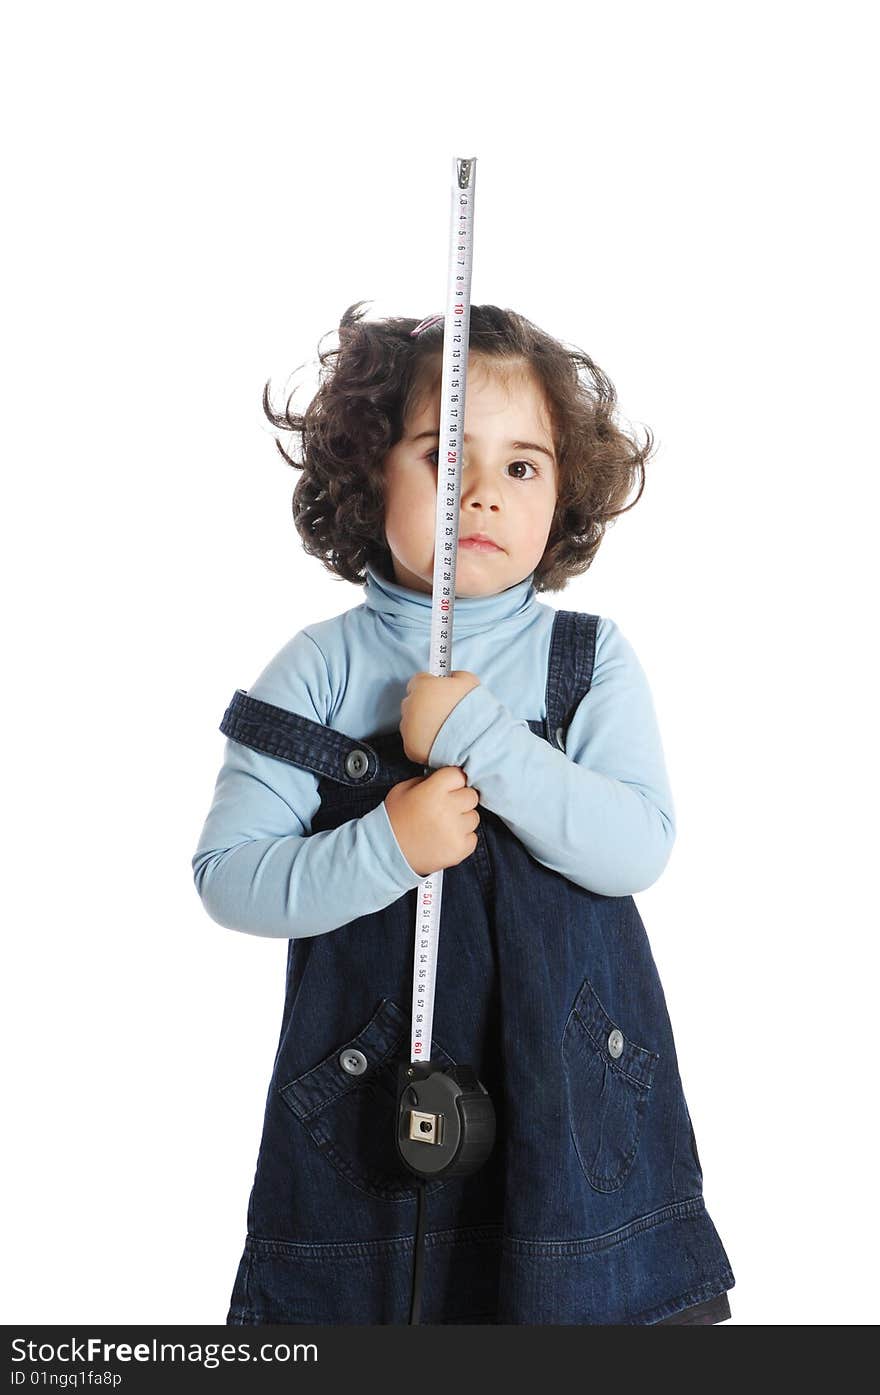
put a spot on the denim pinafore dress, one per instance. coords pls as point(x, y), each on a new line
point(590, 1208)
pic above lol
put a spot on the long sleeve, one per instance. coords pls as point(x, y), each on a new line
point(600, 812)
point(257, 867)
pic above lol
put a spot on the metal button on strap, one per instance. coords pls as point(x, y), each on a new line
point(354, 1061)
point(356, 763)
point(615, 1042)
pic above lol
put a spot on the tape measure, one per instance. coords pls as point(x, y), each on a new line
point(446, 1120)
point(453, 386)
point(445, 1123)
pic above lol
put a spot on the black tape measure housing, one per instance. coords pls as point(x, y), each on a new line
point(445, 1120)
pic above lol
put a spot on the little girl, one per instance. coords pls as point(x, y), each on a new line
point(547, 806)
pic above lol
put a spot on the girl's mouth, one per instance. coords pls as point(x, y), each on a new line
point(478, 545)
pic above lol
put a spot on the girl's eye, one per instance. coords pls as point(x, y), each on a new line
point(431, 454)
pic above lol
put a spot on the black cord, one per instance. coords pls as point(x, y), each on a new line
point(418, 1254)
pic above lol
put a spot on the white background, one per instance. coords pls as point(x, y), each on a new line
point(194, 195)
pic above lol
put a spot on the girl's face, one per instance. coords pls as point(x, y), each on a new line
point(508, 483)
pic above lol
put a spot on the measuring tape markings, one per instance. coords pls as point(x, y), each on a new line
point(453, 388)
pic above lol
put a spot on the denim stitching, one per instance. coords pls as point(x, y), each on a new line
point(679, 1210)
point(369, 1249)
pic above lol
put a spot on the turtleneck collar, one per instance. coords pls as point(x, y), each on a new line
point(400, 605)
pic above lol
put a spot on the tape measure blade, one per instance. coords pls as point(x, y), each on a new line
point(430, 895)
point(453, 388)
point(453, 391)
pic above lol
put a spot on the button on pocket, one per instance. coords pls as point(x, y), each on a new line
point(608, 1080)
point(347, 1103)
point(355, 1062)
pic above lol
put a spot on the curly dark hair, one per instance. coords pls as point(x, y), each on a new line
point(367, 386)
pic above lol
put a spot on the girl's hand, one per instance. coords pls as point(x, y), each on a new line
point(434, 818)
point(428, 703)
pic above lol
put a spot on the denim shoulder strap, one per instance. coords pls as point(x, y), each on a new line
point(569, 669)
point(289, 736)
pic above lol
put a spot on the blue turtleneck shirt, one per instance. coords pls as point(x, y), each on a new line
point(600, 812)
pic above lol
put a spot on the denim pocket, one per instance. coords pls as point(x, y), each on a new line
point(607, 1084)
point(352, 1114)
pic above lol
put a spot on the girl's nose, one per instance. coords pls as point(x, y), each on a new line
point(479, 487)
